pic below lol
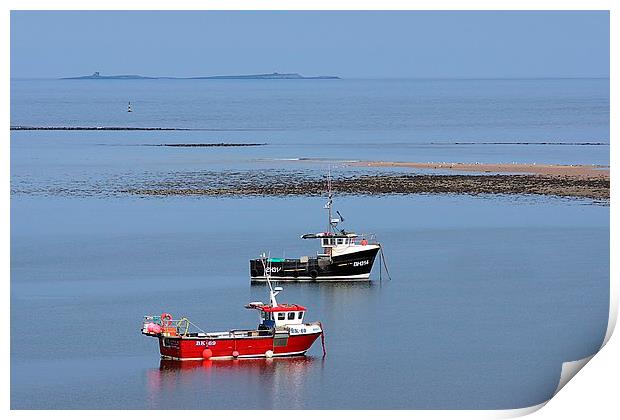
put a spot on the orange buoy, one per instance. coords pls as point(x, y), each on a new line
point(364, 242)
point(206, 354)
point(235, 353)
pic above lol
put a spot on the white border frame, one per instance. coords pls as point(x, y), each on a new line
point(595, 391)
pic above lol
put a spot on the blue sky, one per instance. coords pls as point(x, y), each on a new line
point(466, 44)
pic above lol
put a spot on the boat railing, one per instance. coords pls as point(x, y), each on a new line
point(364, 239)
point(371, 238)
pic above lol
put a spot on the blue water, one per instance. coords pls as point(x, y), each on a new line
point(489, 294)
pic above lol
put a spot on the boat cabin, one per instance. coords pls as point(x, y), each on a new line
point(278, 316)
point(336, 244)
point(339, 240)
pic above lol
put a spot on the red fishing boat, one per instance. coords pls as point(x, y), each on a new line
point(281, 332)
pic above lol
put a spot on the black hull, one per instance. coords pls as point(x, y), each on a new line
point(348, 267)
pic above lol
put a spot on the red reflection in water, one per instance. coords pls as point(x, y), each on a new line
point(174, 376)
point(261, 365)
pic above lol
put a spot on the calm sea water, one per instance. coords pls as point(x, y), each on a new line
point(489, 295)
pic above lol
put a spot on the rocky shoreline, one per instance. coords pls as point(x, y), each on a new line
point(84, 128)
point(208, 144)
point(399, 184)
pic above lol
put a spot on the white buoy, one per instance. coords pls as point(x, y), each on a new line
point(269, 354)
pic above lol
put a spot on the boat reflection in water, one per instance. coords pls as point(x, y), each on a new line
point(230, 384)
point(256, 365)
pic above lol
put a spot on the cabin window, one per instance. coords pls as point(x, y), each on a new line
point(325, 241)
point(339, 241)
point(300, 315)
point(281, 316)
point(291, 315)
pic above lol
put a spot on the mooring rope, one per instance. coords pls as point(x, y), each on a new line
point(183, 322)
point(323, 339)
point(385, 264)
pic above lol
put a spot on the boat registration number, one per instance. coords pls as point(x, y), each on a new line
point(205, 343)
point(360, 263)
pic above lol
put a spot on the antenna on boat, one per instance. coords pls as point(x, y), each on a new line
point(273, 291)
point(328, 205)
point(331, 222)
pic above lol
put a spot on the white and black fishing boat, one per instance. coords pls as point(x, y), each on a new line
point(345, 256)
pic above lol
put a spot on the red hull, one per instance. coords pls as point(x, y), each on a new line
point(191, 348)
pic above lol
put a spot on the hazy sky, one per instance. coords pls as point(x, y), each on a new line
point(347, 44)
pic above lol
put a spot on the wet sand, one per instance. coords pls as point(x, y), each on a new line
point(573, 171)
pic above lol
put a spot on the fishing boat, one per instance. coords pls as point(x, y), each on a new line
point(281, 332)
point(344, 256)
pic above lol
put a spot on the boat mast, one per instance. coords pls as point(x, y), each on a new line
point(328, 206)
point(267, 270)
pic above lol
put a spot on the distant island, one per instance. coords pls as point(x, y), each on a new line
point(270, 76)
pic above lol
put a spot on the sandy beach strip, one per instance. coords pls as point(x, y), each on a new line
point(573, 171)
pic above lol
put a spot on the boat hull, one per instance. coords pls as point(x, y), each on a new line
point(192, 348)
point(354, 266)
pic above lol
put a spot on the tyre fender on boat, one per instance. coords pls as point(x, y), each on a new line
point(314, 274)
point(254, 273)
